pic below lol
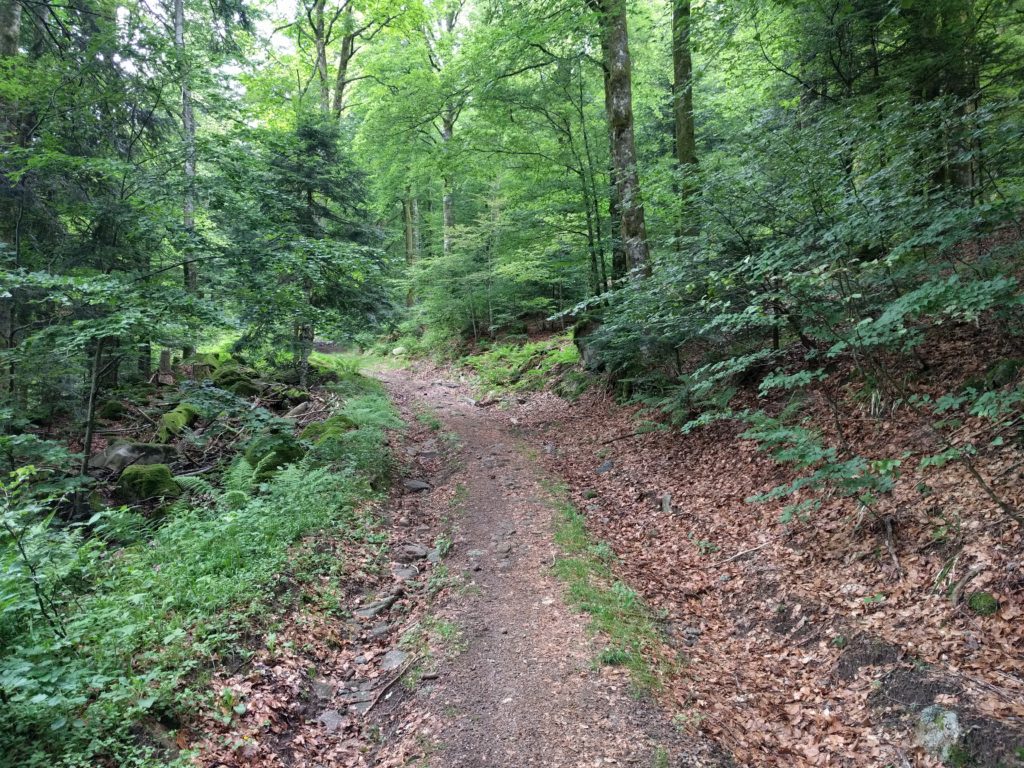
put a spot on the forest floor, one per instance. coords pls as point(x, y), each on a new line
point(520, 685)
point(503, 628)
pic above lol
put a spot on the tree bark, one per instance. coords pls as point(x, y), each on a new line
point(409, 214)
point(682, 98)
point(619, 102)
point(188, 124)
point(447, 201)
point(10, 27)
point(345, 54)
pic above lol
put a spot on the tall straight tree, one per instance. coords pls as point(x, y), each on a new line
point(619, 102)
point(682, 103)
point(188, 131)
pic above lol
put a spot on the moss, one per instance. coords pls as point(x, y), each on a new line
point(295, 396)
point(174, 422)
point(270, 451)
point(111, 410)
point(245, 388)
point(237, 378)
point(332, 427)
point(147, 481)
point(983, 603)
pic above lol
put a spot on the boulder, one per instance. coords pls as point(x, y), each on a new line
point(148, 481)
point(237, 378)
point(119, 455)
point(174, 422)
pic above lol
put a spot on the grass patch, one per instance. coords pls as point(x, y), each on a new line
point(616, 611)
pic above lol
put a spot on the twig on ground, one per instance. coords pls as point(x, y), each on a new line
point(745, 552)
point(401, 673)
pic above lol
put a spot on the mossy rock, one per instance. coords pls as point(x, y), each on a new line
point(173, 422)
point(111, 410)
point(983, 603)
point(232, 375)
point(332, 427)
point(270, 451)
point(148, 481)
point(245, 388)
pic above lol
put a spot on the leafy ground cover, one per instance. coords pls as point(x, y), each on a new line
point(822, 634)
point(113, 626)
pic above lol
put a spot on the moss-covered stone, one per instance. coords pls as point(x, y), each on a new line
point(332, 427)
point(111, 410)
point(270, 451)
point(1003, 372)
point(983, 603)
point(232, 375)
point(245, 388)
point(173, 422)
point(150, 481)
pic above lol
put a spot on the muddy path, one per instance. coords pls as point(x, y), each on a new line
point(521, 688)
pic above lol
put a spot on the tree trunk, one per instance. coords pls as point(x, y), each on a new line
point(320, 40)
point(682, 98)
point(348, 48)
point(10, 27)
point(447, 203)
point(619, 102)
point(408, 212)
point(188, 124)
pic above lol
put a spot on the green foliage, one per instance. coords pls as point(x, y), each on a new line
point(175, 421)
point(147, 481)
point(983, 603)
point(530, 366)
point(94, 644)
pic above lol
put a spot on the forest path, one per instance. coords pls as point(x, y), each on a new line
point(522, 690)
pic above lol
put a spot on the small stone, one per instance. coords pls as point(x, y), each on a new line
point(504, 548)
point(415, 486)
point(373, 609)
point(434, 556)
point(380, 630)
point(324, 690)
point(409, 552)
point(938, 731)
point(393, 660)
point(475, 553)
point(607, 466)
point(331, 720)
point(405, 572)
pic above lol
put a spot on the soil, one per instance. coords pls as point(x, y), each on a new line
point(522, 688)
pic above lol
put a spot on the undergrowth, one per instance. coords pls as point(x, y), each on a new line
point(617, 613)
point(531, 366)
point(119, 621)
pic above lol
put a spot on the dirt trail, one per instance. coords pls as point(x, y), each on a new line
point(524, 692)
